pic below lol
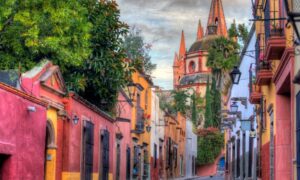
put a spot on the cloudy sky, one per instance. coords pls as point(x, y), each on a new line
point(161, 22)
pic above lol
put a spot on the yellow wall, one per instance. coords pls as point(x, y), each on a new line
point(51, 164)
point(145, 137)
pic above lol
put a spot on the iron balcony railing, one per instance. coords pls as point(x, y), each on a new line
point(139, 127)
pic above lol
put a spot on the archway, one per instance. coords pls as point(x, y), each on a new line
point(50, 152)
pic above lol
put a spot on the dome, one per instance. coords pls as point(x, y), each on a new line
point(202, 44)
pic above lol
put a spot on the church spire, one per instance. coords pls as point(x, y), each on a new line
point(182, 49)
point(175, 64)
point(216, 23)
point(200, 31)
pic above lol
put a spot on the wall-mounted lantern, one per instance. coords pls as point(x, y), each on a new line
point(234, 107)
point(235, 75)
point(148, 128)
point(75, 119)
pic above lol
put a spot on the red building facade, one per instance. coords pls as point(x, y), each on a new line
point(82, 141)
point(22, 135)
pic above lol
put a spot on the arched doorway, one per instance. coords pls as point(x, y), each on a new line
point(50, 152)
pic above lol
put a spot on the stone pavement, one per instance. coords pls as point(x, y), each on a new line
point(218, 176)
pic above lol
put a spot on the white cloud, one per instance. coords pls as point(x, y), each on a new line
point(161, 22)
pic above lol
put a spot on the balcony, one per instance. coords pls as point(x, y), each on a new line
point(139, 126)
point(264, 73)
point(255, 94)
point(275, 44)
point(254, 89)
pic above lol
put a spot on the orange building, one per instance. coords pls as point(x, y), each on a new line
point(140, 91)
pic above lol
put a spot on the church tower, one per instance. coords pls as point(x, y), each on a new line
point(216, 23)
point(189, 67)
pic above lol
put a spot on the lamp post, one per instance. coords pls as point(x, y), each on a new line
point(234, 107)
point(235, 75)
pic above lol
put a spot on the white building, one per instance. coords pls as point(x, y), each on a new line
point(241, 148)
point(190, 149)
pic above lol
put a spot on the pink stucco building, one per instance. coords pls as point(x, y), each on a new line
point(22, 135)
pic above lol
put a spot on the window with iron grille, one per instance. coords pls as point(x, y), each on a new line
point(267, 21)
point(128, 162)
point(155, 156)
point(118, 163)
point(87, 150)
point(175, 157)
point(238, 159)
point(136, 161)
point(263, 113)
point(105, 154)
point(244, 154)
point(250, 157)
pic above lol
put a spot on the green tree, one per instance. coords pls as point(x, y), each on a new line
point(208, 107)
point(33, 30)
point(104, 69)
point(215, 104)
point(209, 147)
point(138, 51)
point(243, 33)
point(239, 31)
point(180, 101)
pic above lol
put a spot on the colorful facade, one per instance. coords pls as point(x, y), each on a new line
point(83, 142)
point(271, 90)
point(140, 91)
point(22, 135)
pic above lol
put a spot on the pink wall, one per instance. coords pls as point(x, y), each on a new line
point(209, 169)
point(124, 127)
point(22, 137)
point(73, 136)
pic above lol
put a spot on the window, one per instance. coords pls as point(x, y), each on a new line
point(216, 21)
point(146, 99)
point(155, 155)
point(87, 150)
point(128, 163)
point(136, 161)
point(192, 67)
point(118, 161)
point(105, 154)
point(267, 23)
point(263, 113)
point(238, 158)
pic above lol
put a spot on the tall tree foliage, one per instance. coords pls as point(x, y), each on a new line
point(33, 30)
point(83, 37)
point(239, 31)
point(138, 51)
point(104, 69)
point(208, 110)
point(215, 104)
point(181, 101)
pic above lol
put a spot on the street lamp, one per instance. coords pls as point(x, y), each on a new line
point(148, 128)
point(235, 75)
point(234, 107)
point(75, 119)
